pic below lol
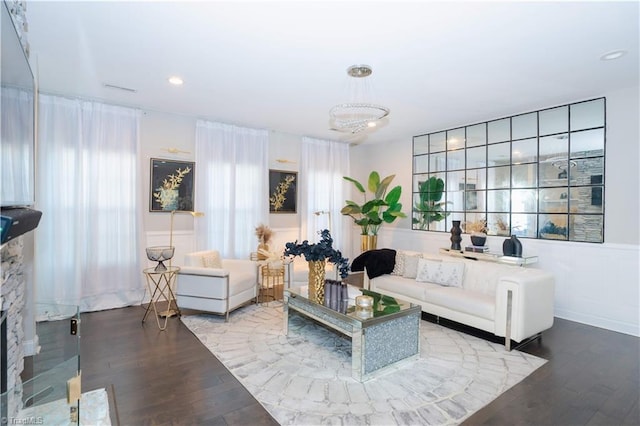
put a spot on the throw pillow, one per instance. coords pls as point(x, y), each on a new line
point(398, 268)
point(448, 274)
point(212, 260)
point(411, 266)
point(423, 266)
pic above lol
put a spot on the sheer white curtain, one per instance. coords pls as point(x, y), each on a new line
point(232, 187)
point(87, 244)
point(323, 190)
point(16, 156)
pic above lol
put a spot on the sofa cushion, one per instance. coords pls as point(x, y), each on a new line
point(444, 273)
point(406, 286)
point(411, 265)
point(467, 301)
point(212, 260)
point(398, 267)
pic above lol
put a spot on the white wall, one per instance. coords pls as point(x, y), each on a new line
point(596, 284)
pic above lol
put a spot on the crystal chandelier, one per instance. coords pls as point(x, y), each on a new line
point(358, 114)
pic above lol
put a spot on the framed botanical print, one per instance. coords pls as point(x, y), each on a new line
point(171, 185)
point(283, 191)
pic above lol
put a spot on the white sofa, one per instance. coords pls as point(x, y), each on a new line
point(509, 301)
point(208, 283)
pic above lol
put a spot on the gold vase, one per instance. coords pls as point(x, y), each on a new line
point(316, 280)
point(263, 247)
point(368, 242)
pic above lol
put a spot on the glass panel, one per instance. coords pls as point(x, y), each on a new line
point(499, 154)
point(421, 164)
point(586, 228)
point(437, 162)
point(588, 171)
point(478, 178)
point(498, 224)
point(586, 199)
point(524, 225)
point(554, 173)
point(524, 151)
point(477, 157)
point(455, 201)
point(454, 180)
point(437, 142)
point(438, 226)
point(477, 135)
point(499, 131)
point(553, 226)
point(554, 147)
point(554, 120)
point(455, 139)
point(524, 201)
point(498, 201)
point(421, 145)
point(417, 179)
point(589, 143)
point(474, 200)
point(587, 115)
point(524, 126)
point(524, 176)
point(554, 200)
point(498, 177)
point(455, 160)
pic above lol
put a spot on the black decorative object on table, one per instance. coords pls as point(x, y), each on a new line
point(512, 247)
point(455, 235)
point(517, 246)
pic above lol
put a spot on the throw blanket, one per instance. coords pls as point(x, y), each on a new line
point(378, 262)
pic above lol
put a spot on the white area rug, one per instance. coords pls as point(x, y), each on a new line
point(94, 411)
point(305, 378)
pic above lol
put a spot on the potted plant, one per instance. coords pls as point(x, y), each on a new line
point(317, 255)
point(429, 207)
point(478, 231)
point(382, 207)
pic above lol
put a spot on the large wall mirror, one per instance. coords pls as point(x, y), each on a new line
point(535, 175)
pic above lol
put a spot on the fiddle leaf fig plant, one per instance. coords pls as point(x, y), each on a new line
point(383, 207)
point(429, 207)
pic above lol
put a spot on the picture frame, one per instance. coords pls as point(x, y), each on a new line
point(283, 191)
point(171, 185)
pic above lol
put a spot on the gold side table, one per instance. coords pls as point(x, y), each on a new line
point(271, 286)
point(159, 284)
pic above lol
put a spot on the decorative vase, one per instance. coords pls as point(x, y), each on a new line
point(507, 247)
point(455, 235)
point(316, 281)
point(263, 247)
point(368, 242)
point(517, 246)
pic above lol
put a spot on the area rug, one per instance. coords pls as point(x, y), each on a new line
point(305, 378)
point(94, 411)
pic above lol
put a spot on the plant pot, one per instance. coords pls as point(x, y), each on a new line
point(478, 240)
point(368, 242)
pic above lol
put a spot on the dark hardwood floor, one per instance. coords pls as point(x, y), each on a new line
point(169, 378)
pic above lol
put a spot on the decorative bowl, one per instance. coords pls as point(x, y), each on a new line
point(160, 254)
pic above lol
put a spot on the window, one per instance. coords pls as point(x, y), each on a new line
point(535, 175)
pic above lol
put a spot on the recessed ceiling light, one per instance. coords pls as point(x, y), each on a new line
point(175, 80)
point(614, 54)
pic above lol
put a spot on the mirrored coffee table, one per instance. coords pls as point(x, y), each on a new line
point(386, 338)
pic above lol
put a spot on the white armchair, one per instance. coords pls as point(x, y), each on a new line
point(208, 283)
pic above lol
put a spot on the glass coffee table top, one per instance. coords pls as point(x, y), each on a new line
point(383, 305)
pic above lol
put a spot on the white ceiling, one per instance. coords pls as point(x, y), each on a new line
point(282, 65)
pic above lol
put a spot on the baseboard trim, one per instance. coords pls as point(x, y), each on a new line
point(617, 326)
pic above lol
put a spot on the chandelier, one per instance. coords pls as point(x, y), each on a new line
point(358, 114)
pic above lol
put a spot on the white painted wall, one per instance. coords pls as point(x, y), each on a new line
point(596, 284)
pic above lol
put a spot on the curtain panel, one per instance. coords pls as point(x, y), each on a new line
point(232, 187)
point(88, 242)
point(323, 191)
